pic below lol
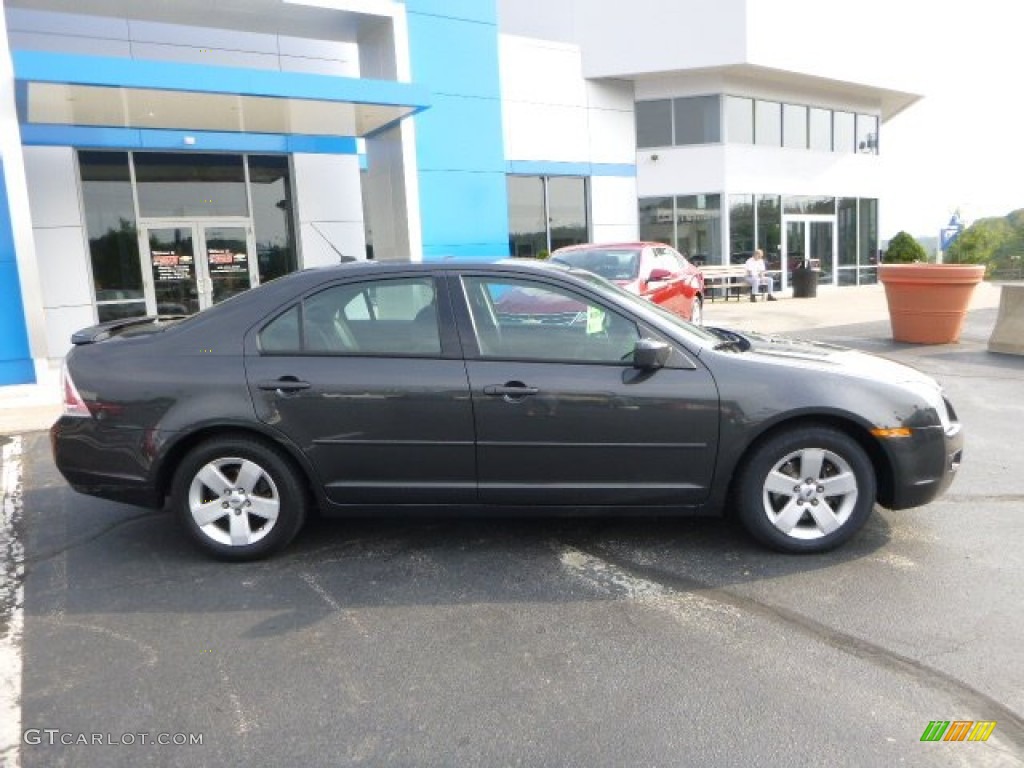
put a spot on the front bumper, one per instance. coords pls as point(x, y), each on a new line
point(924, 464)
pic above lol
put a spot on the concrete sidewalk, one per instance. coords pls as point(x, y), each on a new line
point(35, 407)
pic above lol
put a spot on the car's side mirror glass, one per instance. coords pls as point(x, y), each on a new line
point(650, 354)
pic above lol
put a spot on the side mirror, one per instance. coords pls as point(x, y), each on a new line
point(659, 276)
point(650, 354)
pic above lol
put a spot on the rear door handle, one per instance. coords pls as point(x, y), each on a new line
point(284, 384)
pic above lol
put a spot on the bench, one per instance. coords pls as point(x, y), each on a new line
point(726, 281)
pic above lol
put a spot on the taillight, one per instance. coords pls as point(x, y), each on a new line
point(74, 405)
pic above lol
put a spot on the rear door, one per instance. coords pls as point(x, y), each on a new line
point(366, 377)
point(562, 416)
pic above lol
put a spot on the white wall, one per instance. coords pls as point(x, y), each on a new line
point(739, 168)
point(552, 114)
point(108, 36)
point(18, 204)
point(60, 245)
point(330, 208)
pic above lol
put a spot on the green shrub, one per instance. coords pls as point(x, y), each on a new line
point(904, 249)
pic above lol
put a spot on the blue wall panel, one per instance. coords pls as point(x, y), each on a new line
point(16, 365)
point(459, 145)
point(485, 11)
point(34, 134)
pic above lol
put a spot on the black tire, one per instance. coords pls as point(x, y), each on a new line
point(252, 481)
point(774, 493)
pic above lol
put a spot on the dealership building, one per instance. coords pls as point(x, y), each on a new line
point(158, 157)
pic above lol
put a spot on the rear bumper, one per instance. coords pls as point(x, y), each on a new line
point(108, 463)
point(924, 465)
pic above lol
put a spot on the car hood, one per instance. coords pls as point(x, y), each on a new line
point(823, 356)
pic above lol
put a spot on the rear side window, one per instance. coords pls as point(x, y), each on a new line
point(375, 317)
point(282, 335)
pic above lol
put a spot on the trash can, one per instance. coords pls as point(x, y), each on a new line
point(805, 281)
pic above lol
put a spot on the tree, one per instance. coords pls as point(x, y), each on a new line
point(904, 249)
point(995, 242)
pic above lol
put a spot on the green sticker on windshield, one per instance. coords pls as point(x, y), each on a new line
point(595, 320)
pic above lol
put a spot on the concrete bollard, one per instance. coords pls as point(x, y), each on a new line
point(1008, 336)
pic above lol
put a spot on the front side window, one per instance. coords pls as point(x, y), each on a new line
point(377, 317)
point(526, 320)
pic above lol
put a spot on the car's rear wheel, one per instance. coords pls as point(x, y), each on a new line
point(238, 498)
point(697, 311)
point(808, 489)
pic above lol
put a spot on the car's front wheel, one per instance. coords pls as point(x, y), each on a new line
point(808, 489)
point(238, 498)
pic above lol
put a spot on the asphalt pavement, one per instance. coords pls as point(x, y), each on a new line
point(551, 643)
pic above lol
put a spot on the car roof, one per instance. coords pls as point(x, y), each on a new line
point(596, 246)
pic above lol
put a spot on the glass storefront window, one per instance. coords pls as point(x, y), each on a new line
point(739, 120)
point(273, 223)
point(867, 221)
point(546, 213)
point(797, 204)
point(741, 227)
point(794, 126)
point(768, 123)
point(698, 120)
point(113, 238)
point(820, 128)
point(867, 134)
point(846, 220)
point(177, 184)
point(657, 219)
point(567, 211)
point(654, 123)
point(844, 137)
point(527, 223)
point(699, 228)
point(769, 229)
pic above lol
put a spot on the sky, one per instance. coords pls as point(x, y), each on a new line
point(962, 146)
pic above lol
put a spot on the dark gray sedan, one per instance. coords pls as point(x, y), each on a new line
point(512, 387)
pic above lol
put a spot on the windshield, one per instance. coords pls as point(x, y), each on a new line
point(609, 263)
point(691, 331)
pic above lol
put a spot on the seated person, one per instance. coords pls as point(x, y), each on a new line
point(757, 276)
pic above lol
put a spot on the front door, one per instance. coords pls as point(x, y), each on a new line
point(190, 265)
point(809, 238)
point(563, 418)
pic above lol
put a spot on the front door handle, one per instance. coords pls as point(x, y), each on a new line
point(283, 384)
point(513, 390)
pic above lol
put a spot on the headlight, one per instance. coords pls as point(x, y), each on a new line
point(931, 393)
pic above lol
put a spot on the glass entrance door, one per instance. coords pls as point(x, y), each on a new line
point(191, 265)
point(809, 238)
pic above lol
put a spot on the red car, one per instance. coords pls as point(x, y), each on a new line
point(654, 271)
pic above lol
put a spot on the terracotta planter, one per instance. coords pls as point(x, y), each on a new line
point(928, 302)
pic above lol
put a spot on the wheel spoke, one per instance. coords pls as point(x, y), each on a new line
point(249, 475)
point(214, 479)
point(811, 462)
point(789, 516)
point(824, 517)
point(840, 485)
point(241, 533)
point(211, 512)
point(776, 482)
point(266, 508)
